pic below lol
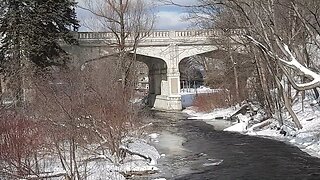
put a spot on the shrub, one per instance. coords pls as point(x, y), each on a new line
point(209, 101)
point(20, 139)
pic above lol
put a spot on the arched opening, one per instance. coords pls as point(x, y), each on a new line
point(191, 73)
point(157, 75)
point(218, 71)
point(191, 78)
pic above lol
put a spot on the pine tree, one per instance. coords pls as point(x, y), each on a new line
point(50, 21)
point(31, 31)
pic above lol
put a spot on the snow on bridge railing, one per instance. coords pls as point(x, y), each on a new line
point(162, 34)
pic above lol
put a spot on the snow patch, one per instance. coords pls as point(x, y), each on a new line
point(241, 126)
point(215, 162)
point(140, 147)
point(153, 135)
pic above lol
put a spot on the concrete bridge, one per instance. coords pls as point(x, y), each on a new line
point(161, 51)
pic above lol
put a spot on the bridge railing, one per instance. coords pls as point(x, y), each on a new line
point(161, 34)
point(199, 33)
point(95, 35)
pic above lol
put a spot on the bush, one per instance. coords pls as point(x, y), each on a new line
point(209, 101)
point(20, 139)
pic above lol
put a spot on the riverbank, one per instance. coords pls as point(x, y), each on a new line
point(307, 138)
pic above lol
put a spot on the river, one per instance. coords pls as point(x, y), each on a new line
point(195, 150)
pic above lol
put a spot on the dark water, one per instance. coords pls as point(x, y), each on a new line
point(244, 157)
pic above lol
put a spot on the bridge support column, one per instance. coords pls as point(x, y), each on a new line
point(157, 75)
point(170, 98)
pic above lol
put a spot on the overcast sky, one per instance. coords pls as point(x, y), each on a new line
point(168, 17)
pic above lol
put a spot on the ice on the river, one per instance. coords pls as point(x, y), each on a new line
point(171, 143)
point(213, 162)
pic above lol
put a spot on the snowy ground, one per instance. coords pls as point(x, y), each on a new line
point(141, 158)
point(307, 139)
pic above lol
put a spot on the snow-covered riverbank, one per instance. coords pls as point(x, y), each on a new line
point(307, 139)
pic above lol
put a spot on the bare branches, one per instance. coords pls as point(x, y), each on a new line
point(129, 21)
point(308, 24)
point(285, 33)
point(292, 63)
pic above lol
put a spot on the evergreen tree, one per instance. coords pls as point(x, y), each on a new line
point(31, 31)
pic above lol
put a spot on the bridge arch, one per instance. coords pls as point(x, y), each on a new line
point(157, 76)
point(218, 70)
point(167, 49)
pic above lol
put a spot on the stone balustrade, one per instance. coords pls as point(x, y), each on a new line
point(160, 34)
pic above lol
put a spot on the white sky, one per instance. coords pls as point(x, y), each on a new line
point(168, 17)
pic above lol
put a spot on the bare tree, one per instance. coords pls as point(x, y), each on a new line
point(280, 35)
point(85, 114)
point(129, 21)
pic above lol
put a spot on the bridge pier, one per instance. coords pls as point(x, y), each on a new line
point(170, 98)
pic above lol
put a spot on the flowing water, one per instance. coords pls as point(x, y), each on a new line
point(195, 150)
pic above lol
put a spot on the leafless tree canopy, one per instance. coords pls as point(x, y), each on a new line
point(281, 38)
